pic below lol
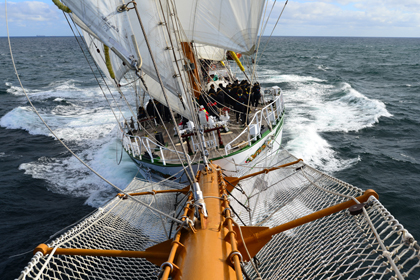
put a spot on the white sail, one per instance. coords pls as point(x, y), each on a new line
point(210, 52)
point(103, 19)
point(96, 49)
point(227, 24)
point(171, 70)
point(121, 31)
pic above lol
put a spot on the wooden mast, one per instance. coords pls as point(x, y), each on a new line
point(192, 70)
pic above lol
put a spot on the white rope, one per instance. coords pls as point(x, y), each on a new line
point(386, 253)
point(62, 143)
point(269, 38)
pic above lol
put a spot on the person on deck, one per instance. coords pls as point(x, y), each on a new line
point(220, 98)
point(228, 96)
point(234, 95)
point(166, 114)
point(211, 90)
point(247, 95)
point(150, 108)
point(158, 108)
point(256, 90)
point(141, 114)
point(211, 102)
point(240, 106)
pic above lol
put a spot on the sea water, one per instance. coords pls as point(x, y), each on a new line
point(352, 111)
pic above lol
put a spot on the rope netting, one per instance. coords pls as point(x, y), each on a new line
point(370, 245)
point(122, 224)
point(339, 246)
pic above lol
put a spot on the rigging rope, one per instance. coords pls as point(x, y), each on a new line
point(100, 73)
point(269, 38)
point(62, 143)
point(191, 177)
point(110, 92)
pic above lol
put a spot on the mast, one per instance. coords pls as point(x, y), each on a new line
point(192, 68)
point(198, 195)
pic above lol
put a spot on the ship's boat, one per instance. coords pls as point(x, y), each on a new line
point(218, 198)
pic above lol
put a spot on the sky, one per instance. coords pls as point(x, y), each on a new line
point(364, 18)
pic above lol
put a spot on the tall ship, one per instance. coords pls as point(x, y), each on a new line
point(217, 197)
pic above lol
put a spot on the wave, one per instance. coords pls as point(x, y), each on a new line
point(270, 78)
point(314, 106)
point(75, 124)
point(323, 68)
point(68, 176)
point(306, 143)
point(79, 116)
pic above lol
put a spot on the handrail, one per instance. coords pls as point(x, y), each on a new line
point(240, 134)
point(139, 142)
point(264, 114)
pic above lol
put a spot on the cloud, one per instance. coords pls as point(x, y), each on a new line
point(349, 18)
point(28, 11)
point(30, 18)
point(301, 18)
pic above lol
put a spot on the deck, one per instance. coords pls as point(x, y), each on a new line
point(144, 144)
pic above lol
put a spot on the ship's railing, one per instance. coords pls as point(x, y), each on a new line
point(144, 147)
point(271, 113)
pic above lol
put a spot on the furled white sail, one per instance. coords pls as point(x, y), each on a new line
point(227, 24)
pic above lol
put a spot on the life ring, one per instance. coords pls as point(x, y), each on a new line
point(213, 67)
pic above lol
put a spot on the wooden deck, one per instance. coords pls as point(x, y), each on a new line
point(217, 149)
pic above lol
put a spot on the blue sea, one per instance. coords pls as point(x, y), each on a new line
point(353, 111)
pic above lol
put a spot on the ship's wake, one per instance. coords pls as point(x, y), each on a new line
point(315, 106)
point(79, 116)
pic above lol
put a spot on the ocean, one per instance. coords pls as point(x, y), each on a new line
point(352, 111)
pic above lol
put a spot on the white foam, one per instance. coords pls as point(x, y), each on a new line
point(15, 90)
point(323, 68)
point(66, 124)
point(316, 151)
point(81, 117)
point(68, 176)
point(314, 106)
point(270, 78)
